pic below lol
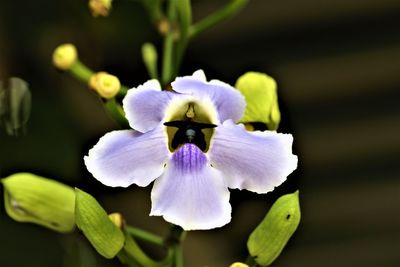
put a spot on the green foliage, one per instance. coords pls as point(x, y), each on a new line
point(267, 241)
point(95, 224)
point(31, 198)
point(261, 97)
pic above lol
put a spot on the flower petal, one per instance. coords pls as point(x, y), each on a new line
point(122, 158)
point(228, 101)
point(191, 193)
point(256, 161)
point(144, 106)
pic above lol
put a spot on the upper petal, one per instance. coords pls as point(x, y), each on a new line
point(191, 193)
point(122, 158)
point(228, 101)
point(256, 161)
point(145, 106)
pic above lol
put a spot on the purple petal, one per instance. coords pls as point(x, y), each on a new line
point(256, 161)
point(144, 106)
point(228, 101)
point(122, 158)
point(191, 193)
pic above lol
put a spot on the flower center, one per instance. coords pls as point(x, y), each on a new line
point(189, 127)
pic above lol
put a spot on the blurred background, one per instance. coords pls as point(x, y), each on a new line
point(337, 64)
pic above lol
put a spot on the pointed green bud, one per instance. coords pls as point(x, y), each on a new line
point(267, 241)
point(15, 106)
point(149, 55)
point(31, 198)
point(95, 224)
point(261, 97)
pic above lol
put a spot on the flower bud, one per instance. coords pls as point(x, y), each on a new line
point(106, 85)
point(261, 97)
point(238, 264)
point(64, 56)
point(117, 219)
point(100, 7)
point(31, 198)
point(267, 241)
point(93, 221)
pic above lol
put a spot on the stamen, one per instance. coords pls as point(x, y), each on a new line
point(190, 112)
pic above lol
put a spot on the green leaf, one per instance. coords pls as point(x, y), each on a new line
point(95, 224)
point(267, 241)
point(261, 97)
point(31, 198)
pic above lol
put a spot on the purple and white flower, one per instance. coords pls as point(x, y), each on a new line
point(187, 142)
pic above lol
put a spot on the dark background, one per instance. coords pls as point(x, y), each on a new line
point(337, 64)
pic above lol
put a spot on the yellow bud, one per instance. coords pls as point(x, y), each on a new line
point(100, 7)
point(106, 85)
point(238, 264)
point(64, 56)
point(261, 97)
point(117, 219)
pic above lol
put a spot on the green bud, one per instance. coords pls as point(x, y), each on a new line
point(149, 55)
point(267, 241)
point(95, 224)
point(261, 97)
point(15, 106)
point(31, 198)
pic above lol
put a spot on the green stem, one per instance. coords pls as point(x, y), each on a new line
point(178, 255)
point(168, 65)
point(136, 254)
point(227, 11)
point(116, 112)
point(145, 236)
point(185, 20)
point(81, 72)
point(174, 240)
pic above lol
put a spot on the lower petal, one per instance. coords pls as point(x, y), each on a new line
point(122, 158)
point(191, 193)
point(256, 161)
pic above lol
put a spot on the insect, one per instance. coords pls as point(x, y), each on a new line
point(189, 132)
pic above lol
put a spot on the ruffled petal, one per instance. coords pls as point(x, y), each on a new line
point(256, 161)
point(126, 157)
point(228, 101)
point(191, 193)
point(145, 106)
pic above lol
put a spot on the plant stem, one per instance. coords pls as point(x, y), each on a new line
point(81, 72)
point(227, 11)
point(184, 9)
point(145, 236)
point(168, 65)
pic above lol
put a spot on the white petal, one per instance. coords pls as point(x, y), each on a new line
point(191, 193)
point(145, 106)
point(122, 158)
point(227, 100)
point(256, 161)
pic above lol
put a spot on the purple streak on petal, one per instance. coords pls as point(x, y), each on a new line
point(256, 161)
point(144, 106)
point(189, 158)
point(126, 157)
point(191, 193)
point(228, 101)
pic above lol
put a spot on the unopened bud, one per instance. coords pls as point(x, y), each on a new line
point(64, 56)
point(238, 264)
point(117, 219)
point(100, 7)
point(261, 97)
point(106, 85)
